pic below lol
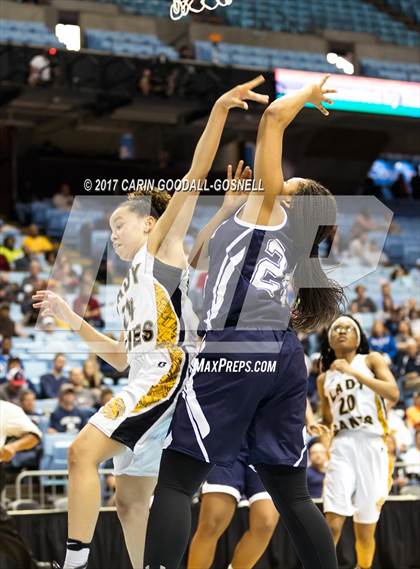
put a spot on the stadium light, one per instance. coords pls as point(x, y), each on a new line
point(69, 35)
point(332, 58)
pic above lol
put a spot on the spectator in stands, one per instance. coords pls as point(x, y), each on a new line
point(8, 290)
point(412, 461)
point(35, 242)
point(392, 323)
point(364, 223)
point(65, 274)
point(92, 374)
point(66, 418)
point(399, 479)
point(8, 327)
point(27, 400)
point(16, 382)
point(14, 424)
point(40, 70)
point(387, 302)
point(408, 368)
point(23, 264)
point(404, 335)
point(318, 466)
point(63, 199)
point(364, 303)
point(30, 285)
point(87, 306)
point(6, 346)
point(364, 251)
point(9, 251)
point(105, 396)
point(413, 413)
point(400, 188)
point(381, 341)
point(397, 427)
point(50, 383)
point(84, 397)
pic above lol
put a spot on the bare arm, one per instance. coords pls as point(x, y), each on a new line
point(174, 223)
point(324, 404)
point(24, 443)
point(269, 148)
point(382, 384)
point(112, 351)
point(198, 257)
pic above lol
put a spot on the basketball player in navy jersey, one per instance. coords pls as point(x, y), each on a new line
point(257, 390)
point(131, 428)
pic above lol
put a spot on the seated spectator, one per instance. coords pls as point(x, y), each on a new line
point(397, 427)
point(105, 397)
point(413, 413)
point(51, 382)
point(66, 418)
point(318, 466)
point(404, 335)
point(8, 290)
point(85, 397)
point(16, 382)
point(4, 264)
point(6, 346)
point(30, 285)
point(364, 303)
point(40, 69)
point(88, 307)
point(35, 242)
point(387, 301)
point(381, 341)
point(65, 275)
point(23, 264)
point(9, 327)
point(412, 461)
point(92, 374)
point(63, 199)
point(27, 400)
point(366, 252)
point(408, 367)
point(392, 323)
point(9, 251)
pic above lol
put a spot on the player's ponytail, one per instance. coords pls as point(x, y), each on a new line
point(319, 299)
point(148, 202)
point(328, 354)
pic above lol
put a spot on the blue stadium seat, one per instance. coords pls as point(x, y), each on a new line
point(54, 457)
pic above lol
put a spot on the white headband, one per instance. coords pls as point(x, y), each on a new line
point(348, 321)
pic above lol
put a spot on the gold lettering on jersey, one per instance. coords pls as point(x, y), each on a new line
point(129, 279)
point(352, 423)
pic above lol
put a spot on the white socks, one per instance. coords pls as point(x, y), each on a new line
point(77, 554)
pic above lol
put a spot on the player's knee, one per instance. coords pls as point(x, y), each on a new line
point(79, 455)
point(130, 507)
point(335, 527)
point(213, 526)
point(365, 539)
point(264, 525)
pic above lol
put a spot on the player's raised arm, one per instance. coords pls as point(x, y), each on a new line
point(268, 171)
point(233, 199)
point(173, 224)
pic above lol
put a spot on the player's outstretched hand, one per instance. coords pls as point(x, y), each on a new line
point(237, 97)
point(319, 94)
point(237, 193)
point(50, 304)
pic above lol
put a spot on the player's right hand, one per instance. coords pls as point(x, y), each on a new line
point(237, 97)
point(237, 195)
point(318, 94)
point(50, 304)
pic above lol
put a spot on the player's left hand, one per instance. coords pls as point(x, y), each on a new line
point(237, 97)
point(342, 366)
point(7, 453)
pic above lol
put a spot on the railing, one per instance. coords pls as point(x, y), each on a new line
point(56, 475)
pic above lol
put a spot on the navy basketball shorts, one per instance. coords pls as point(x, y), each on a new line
point(240, 481)
point(254, 393)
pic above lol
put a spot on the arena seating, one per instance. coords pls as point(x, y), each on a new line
point(27, 32)
point(390, 70)
point(126, 43)
point(409, 8)
point(299, 16)
point(261, 57)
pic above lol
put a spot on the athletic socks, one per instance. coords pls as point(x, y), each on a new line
point(77, 554)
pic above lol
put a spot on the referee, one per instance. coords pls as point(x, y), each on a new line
point(14, 423)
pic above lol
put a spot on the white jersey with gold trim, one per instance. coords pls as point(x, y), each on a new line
point(355, 406)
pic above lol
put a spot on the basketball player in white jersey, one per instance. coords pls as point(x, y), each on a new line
point(149, 232)
point(352, 389)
